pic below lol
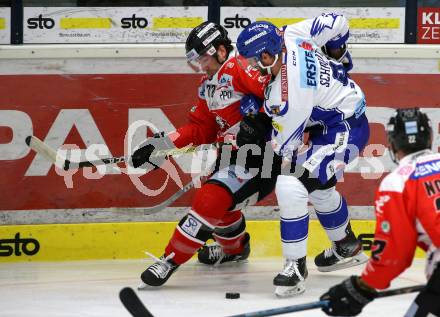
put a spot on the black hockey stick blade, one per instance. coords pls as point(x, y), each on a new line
point(133, 303)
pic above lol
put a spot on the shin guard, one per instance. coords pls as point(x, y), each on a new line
point(230, 232)
point(210, 205)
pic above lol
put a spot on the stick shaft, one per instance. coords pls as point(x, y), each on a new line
point(401, 291)
point(285, 309)
point(324, 303)
point(170, 200)
point(51, 155)
point(120, 159)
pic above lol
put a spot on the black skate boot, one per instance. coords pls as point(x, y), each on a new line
point(213, 254)
point(290, 281)
point(343, 254)
point(158, 273)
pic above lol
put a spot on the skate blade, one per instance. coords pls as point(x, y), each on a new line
point(229, 263)
point(142, 286)
point(289, 291)
point(345, 263)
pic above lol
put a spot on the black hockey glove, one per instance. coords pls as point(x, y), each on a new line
point(433, 285)
point(427, 301)
point(254, 129)
point(159, 142)
point(348, 298)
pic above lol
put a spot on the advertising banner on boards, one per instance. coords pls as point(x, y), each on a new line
point(94, 111)
point(428, 26)
point(5, 29)
point(173, 24)
point(367, 25)
point(110, 25)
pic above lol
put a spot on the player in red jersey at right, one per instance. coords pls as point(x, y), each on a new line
point(407, 216)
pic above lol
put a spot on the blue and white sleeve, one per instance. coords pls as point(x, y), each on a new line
point(330, 29)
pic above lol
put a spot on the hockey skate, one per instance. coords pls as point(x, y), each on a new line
point(213, 254)
point(290, 281)
point(343, 254)
point(158, 273)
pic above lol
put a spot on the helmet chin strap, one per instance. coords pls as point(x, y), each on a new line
point(270, 66)
point(393, 155)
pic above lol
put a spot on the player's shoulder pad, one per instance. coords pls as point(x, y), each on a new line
point(395, 181)
point(230, 64)
point(427, 165)
point(241, 66)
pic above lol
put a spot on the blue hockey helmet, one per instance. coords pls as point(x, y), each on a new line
point(259, 37)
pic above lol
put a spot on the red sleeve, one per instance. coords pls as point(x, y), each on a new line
point(200, 129)
point(395, 239)
point(250, 81)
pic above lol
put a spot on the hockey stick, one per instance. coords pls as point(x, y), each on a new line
point(50, 154)
point(41, 148)
point(133, 303)
point(323, 303)
point(137, 309)
point(173, 198)
point(401, 291)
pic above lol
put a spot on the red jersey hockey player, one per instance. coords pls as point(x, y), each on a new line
point(215, 210)
point(407, 216)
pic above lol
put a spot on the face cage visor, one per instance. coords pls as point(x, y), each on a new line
point(255, 63)
point(196, 61)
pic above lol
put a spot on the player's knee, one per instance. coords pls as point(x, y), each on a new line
point(288, 187)
point(234, 226)
point(211, 202)
point(327, 199)
point(195, 227)
point(292, 196)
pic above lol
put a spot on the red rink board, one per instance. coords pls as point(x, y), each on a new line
point(109, 98)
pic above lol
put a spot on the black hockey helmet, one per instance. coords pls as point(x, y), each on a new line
point(409, 130)
point(206, 38)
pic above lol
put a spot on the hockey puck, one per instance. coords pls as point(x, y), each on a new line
point(232, 295)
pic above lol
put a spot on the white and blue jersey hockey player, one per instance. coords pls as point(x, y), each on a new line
point(310, 90)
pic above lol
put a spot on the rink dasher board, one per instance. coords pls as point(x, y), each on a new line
point(92, 110)
point(169, 58)
point(407, 86)
point(66, 242)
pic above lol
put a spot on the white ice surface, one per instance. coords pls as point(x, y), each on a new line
point(90, 288)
